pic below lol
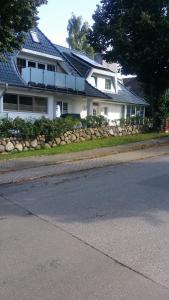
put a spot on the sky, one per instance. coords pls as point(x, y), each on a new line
point(54, 17)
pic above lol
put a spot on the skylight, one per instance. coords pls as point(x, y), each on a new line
point(35, 37)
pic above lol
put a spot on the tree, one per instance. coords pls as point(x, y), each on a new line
point(78, 35)
point(136, 33)
point(16, 17)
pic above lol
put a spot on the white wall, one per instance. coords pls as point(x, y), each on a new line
point(25, 115)
point(101, 83)
point(79, 106)
point(102, 75)
point(114, 111)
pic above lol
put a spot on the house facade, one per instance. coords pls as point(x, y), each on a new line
point(121, 103)
point(43, 80)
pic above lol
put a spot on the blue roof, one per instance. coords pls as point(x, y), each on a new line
point(44, 45)
point(126, 96)
point(8, 71)
point(84, 64)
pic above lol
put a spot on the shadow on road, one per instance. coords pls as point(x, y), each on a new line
point(138, 189)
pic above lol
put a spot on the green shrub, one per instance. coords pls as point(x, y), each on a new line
point(94, 121)
point(32, 128)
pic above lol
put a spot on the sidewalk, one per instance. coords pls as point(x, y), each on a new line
point(24, 169)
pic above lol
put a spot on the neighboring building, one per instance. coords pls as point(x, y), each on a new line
point(47, 80)
point(121, 103)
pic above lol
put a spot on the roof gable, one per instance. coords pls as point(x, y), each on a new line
point(44, 45)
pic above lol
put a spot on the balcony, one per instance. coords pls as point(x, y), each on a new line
point(53, 79)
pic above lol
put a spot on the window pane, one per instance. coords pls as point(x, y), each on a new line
point(31, 64)
point(40, 105)
point(21, 63)
point(59, 69)
point(25, 103)
point(94, 112)
point(65, 108)
point(51, 68)
point(10, 102)
point(35, 37)
point(122, 111)
point(108, 84)
point(41, 66)
point(58, 109)
point(133, 110)
point(142, 111)
point(95, 80)
point(128, 111)
point(138, 111)
point(105, 111)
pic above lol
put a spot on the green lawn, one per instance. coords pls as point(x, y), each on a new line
point(87, 145)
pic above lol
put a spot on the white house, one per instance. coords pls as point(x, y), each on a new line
point(43, 80)
point(121, 103)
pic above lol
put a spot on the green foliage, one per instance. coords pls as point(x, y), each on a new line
point(49, 128)
point(16, 17)
point(94, 121)
point(32, 128)
point(78, 35)
point(136, 34)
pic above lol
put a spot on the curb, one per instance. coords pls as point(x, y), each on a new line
point(94, 161)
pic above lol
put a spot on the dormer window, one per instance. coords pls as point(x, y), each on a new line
point(35, 37)
point(21, 63)
point(107, 84)
point(31, 64)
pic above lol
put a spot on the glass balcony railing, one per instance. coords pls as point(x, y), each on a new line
point(53, 79)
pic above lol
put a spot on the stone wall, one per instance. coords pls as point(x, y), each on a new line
point(14, 144)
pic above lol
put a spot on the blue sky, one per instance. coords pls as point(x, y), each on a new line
point(54, 16)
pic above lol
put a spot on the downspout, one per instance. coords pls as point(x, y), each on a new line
point(2, 94)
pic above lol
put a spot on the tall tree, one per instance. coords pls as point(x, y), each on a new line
point(136, 33)
point(78, 35)
point(16, 17)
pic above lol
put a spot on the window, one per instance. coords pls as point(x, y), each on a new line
point(21, 63)
point(108, 84)
point(31, 64)
point(59, 69)
point(128, 111)
point(105, 111)
point(94, 112)
point(122, 111)
point(51, 68)
point(35, 37)
point(95, 80)
point(41, 66)
point(133, 111)
point(10, 102)
point(58, 109)
point(25, 103)
point(40, 105)
point(61, 108)
point(142, 110)
point(65, 108)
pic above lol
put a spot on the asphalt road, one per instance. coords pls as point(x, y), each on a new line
point(98, 234)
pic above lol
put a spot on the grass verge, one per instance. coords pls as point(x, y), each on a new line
point(87, 145)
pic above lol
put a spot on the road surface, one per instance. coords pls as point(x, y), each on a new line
point(97, 234)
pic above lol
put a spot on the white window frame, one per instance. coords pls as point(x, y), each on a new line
point(33, 105)
point(35, 37)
